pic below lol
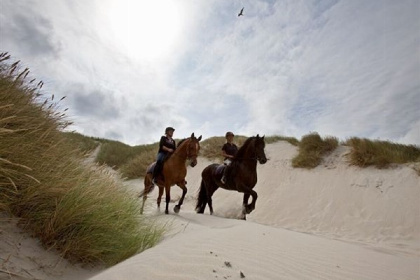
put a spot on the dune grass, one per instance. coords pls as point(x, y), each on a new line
point(311, 150)
point(79, 210)
point(381, 154)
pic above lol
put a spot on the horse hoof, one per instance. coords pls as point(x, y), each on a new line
point(166, 212)
point(249, 209)
point(176, 209)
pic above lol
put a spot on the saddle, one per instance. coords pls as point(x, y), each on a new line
point(150, 169)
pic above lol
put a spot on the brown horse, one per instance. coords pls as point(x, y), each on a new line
point(174, 172)
point(241, 176)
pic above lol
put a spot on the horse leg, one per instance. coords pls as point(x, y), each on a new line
point(159, 199)
point(244, 206)
point(168, 198)
point(202, 198)
point(210, 203)
point(184, 192)
point(142, 206)
point(250, 207)
point(210, 200)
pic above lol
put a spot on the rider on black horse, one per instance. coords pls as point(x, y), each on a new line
point(229, 151)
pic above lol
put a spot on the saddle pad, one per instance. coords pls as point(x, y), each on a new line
point(219, 170)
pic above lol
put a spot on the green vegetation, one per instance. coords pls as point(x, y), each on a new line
point(79, 210)
point(311, 150)
point(142, 156)
point(83, 143)
point(365, 152)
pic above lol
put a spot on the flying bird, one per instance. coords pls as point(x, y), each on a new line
point(241, 13)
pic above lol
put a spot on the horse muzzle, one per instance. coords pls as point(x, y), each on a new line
point(193, 162)
point(262, 160)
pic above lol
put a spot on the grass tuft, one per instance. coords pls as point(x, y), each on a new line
point(381, 154)
point(311, 150)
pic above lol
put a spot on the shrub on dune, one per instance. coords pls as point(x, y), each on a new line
point(365, 152)
point(312, 148)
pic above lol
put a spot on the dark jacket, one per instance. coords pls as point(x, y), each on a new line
point(167, 142)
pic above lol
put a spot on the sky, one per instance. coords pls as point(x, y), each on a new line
point(129, 69)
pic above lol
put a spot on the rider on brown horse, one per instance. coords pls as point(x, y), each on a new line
point(167, 146)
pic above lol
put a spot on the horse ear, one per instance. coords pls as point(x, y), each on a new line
point(258, 136)
point(192, 135)
point(199, 138)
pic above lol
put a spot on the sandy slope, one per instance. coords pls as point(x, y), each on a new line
point(360, 224)
point(207, 247)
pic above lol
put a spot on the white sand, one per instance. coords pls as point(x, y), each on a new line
point(333, 222)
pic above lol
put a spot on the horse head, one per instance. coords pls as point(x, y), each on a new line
point(259, 149)
point(192, 149)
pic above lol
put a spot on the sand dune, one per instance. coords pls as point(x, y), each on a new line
point(332, 222)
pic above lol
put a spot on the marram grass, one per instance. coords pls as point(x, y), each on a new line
point(72, 207)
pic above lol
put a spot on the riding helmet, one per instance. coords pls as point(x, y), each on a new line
point(169, 129)
point(229, 133)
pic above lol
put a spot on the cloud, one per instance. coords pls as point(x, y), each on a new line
point(99, 105)
point(341, 68)
point(31, 35)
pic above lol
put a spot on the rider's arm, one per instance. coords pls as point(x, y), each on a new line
point(170, 150)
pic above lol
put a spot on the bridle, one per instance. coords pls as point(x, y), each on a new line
point(194, 155)
point(189, 156)
point(255, 158)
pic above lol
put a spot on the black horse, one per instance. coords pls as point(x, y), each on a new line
point(241, 176)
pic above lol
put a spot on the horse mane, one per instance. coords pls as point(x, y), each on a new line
point(242, 150)
point(233, 168)
point(182, 141)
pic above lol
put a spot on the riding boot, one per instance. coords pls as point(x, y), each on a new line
point(156, 172)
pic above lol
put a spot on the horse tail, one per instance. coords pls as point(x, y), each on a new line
point(202, 199)
point(148, 185)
